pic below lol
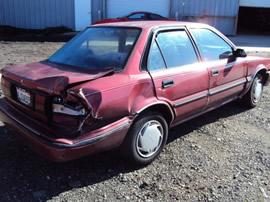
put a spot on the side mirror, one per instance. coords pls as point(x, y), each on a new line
point(225, 55)
point(240, 53)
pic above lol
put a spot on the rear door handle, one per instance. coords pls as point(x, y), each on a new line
point(214, 72)
point(167, 83)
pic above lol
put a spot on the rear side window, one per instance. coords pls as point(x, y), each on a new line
point(137, 16)
point(156, 17)
point(176, 48)
point(211, 46)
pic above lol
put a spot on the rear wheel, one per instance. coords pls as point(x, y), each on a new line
point(146, 138)
point(253, 96)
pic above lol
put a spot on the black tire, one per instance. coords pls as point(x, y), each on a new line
point(253, 96)
point(148, 127)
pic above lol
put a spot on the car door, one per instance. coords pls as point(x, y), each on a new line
point(178, 77)
point(226, 73)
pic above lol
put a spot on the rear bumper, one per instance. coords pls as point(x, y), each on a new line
point(40, 138)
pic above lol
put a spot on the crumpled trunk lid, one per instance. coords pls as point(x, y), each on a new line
point(49, 77)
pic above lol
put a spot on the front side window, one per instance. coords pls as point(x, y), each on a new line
point(98, 48)
point(211, 46)
point(176, 48)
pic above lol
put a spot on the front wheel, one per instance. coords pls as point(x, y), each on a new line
point(146, 138)
point(253, 96)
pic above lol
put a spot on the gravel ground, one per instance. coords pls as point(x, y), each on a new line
point(223, 155)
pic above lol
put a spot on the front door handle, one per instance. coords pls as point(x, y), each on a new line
point(167, 83)
point(214, 72)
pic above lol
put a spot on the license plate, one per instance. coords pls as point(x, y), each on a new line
point(23, 96)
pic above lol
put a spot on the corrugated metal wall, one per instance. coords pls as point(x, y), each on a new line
point(37, 14)
point(222, 14)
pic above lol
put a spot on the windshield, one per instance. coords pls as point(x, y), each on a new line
point(98, 48)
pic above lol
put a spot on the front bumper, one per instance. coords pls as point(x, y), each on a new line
point(41, 139)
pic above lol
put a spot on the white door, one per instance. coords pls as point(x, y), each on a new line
point(119, 8)
point(82, 14)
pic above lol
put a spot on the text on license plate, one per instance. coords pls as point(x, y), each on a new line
point(23, 96)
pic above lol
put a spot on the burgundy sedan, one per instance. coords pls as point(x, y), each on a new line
point(125, 84)
point(135, 16)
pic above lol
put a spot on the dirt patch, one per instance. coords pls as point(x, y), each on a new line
point(12, 53)
point(223, 155)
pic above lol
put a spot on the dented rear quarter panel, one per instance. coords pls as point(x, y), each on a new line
point(117, 95)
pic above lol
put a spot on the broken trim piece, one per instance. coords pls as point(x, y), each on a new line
point(62, 109)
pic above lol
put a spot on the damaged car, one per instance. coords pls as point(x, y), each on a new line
point(125, 85)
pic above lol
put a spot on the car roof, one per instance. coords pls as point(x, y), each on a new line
point(151, 24)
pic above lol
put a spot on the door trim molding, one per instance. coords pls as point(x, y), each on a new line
point(213, 92)
point(190, 100)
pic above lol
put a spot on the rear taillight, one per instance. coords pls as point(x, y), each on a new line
point(5, 85)
point(40, 103)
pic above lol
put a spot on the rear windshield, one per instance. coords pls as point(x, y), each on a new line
point(98, 48)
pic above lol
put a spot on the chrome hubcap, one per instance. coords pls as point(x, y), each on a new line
point(257, 90)
point(149, 139)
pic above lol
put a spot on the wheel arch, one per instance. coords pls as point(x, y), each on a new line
point(161, 107)
point(260, 70)
point(264, 74)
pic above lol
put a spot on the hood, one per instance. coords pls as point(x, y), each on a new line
point(51, 77)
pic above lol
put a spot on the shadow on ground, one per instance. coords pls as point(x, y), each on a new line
point(26, 176)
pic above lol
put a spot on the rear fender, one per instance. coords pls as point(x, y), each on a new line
point(154, 105)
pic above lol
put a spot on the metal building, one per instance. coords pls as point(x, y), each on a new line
point(77, 14)
point(117, 8)
point(32, 14)
point(39, 14)
point(221, 14)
